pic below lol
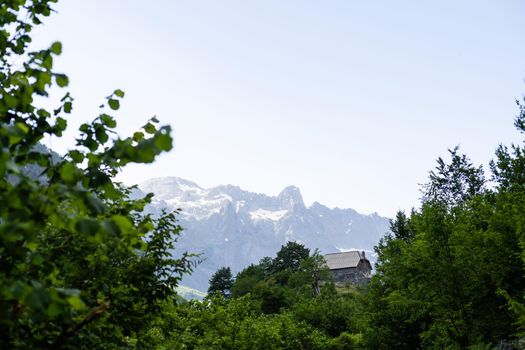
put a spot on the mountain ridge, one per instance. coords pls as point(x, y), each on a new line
point(233, 227)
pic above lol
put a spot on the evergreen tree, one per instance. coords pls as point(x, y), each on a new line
point(221, 282)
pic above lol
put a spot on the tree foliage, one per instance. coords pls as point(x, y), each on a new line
point(290, 257)
point(451, 274)
point(81, 266)
point(221, 282)
point(268, 315)
point(455, 182)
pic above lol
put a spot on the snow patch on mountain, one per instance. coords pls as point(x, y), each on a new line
point(262, 214)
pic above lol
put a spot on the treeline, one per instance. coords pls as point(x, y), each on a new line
point(83, 267)
point(450, 275)
point(287, 302)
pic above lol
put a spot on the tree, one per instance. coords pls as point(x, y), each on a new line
point(400, 227)
point(509, 167)
point(289, 257)
point(221, 282)
point(234, 323)
point(450, 275)
point(81, 265)
point(313, 271)
point(247, 280)
point(455, 182)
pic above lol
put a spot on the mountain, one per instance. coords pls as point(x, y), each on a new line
point(233, 227)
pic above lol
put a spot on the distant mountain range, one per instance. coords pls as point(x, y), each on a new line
point(233, 227)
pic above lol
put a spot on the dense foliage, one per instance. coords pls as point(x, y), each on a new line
point(81, 266)
point(221, 282)
point(450, 275)
point(273, 306)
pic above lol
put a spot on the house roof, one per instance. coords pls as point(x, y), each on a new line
point(344, 259)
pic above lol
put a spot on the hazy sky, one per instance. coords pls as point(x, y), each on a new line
point(351, 101)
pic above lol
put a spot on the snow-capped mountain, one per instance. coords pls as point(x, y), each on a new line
point(232, 227)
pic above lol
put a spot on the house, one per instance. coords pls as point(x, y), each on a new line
point(349, 267)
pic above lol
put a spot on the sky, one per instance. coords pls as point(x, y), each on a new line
point(351, 101)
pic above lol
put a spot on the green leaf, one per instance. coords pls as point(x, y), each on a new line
point(43, 113)
point(76, 156)
point(90, 143)
point(54, 309)
point(76, 302)
point(87, 226)
point(100, 134)
point(163, 142)
point(62, 80)
point(36, 298)
point(37, 259)
point(150, 128)
point(138, 136)
point(17, 290)
point(56, 48)
point(110, 228)
point(94, 204)
point(114, 104)
point(47, 63)
point(119, 93)
point(68, 106)
point(60, 124)
point(15, 135)
point(122, 222)
point(68, 172)
point(10, 101)
point(108, 120)
point(22, 127)
point(32, 246)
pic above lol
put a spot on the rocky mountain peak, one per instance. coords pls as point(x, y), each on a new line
point(291, 198)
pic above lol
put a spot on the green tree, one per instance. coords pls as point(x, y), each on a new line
point(234, 323)
point(81, 265)
point(247, 280)
point(457, 279)
point(221, 282)
point(279, 283)
point(312, 272)
point(455, 182)
point(400, 227)
point(290, 256)
point(509, 166)
point(509, 174)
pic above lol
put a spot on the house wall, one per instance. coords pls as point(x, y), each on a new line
point(354, 275)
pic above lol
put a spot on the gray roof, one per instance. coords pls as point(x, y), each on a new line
point(344, 259)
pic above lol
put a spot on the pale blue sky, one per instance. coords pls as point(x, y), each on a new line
point(352, 101)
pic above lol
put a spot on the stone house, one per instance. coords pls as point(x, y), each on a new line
point(349, 267)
